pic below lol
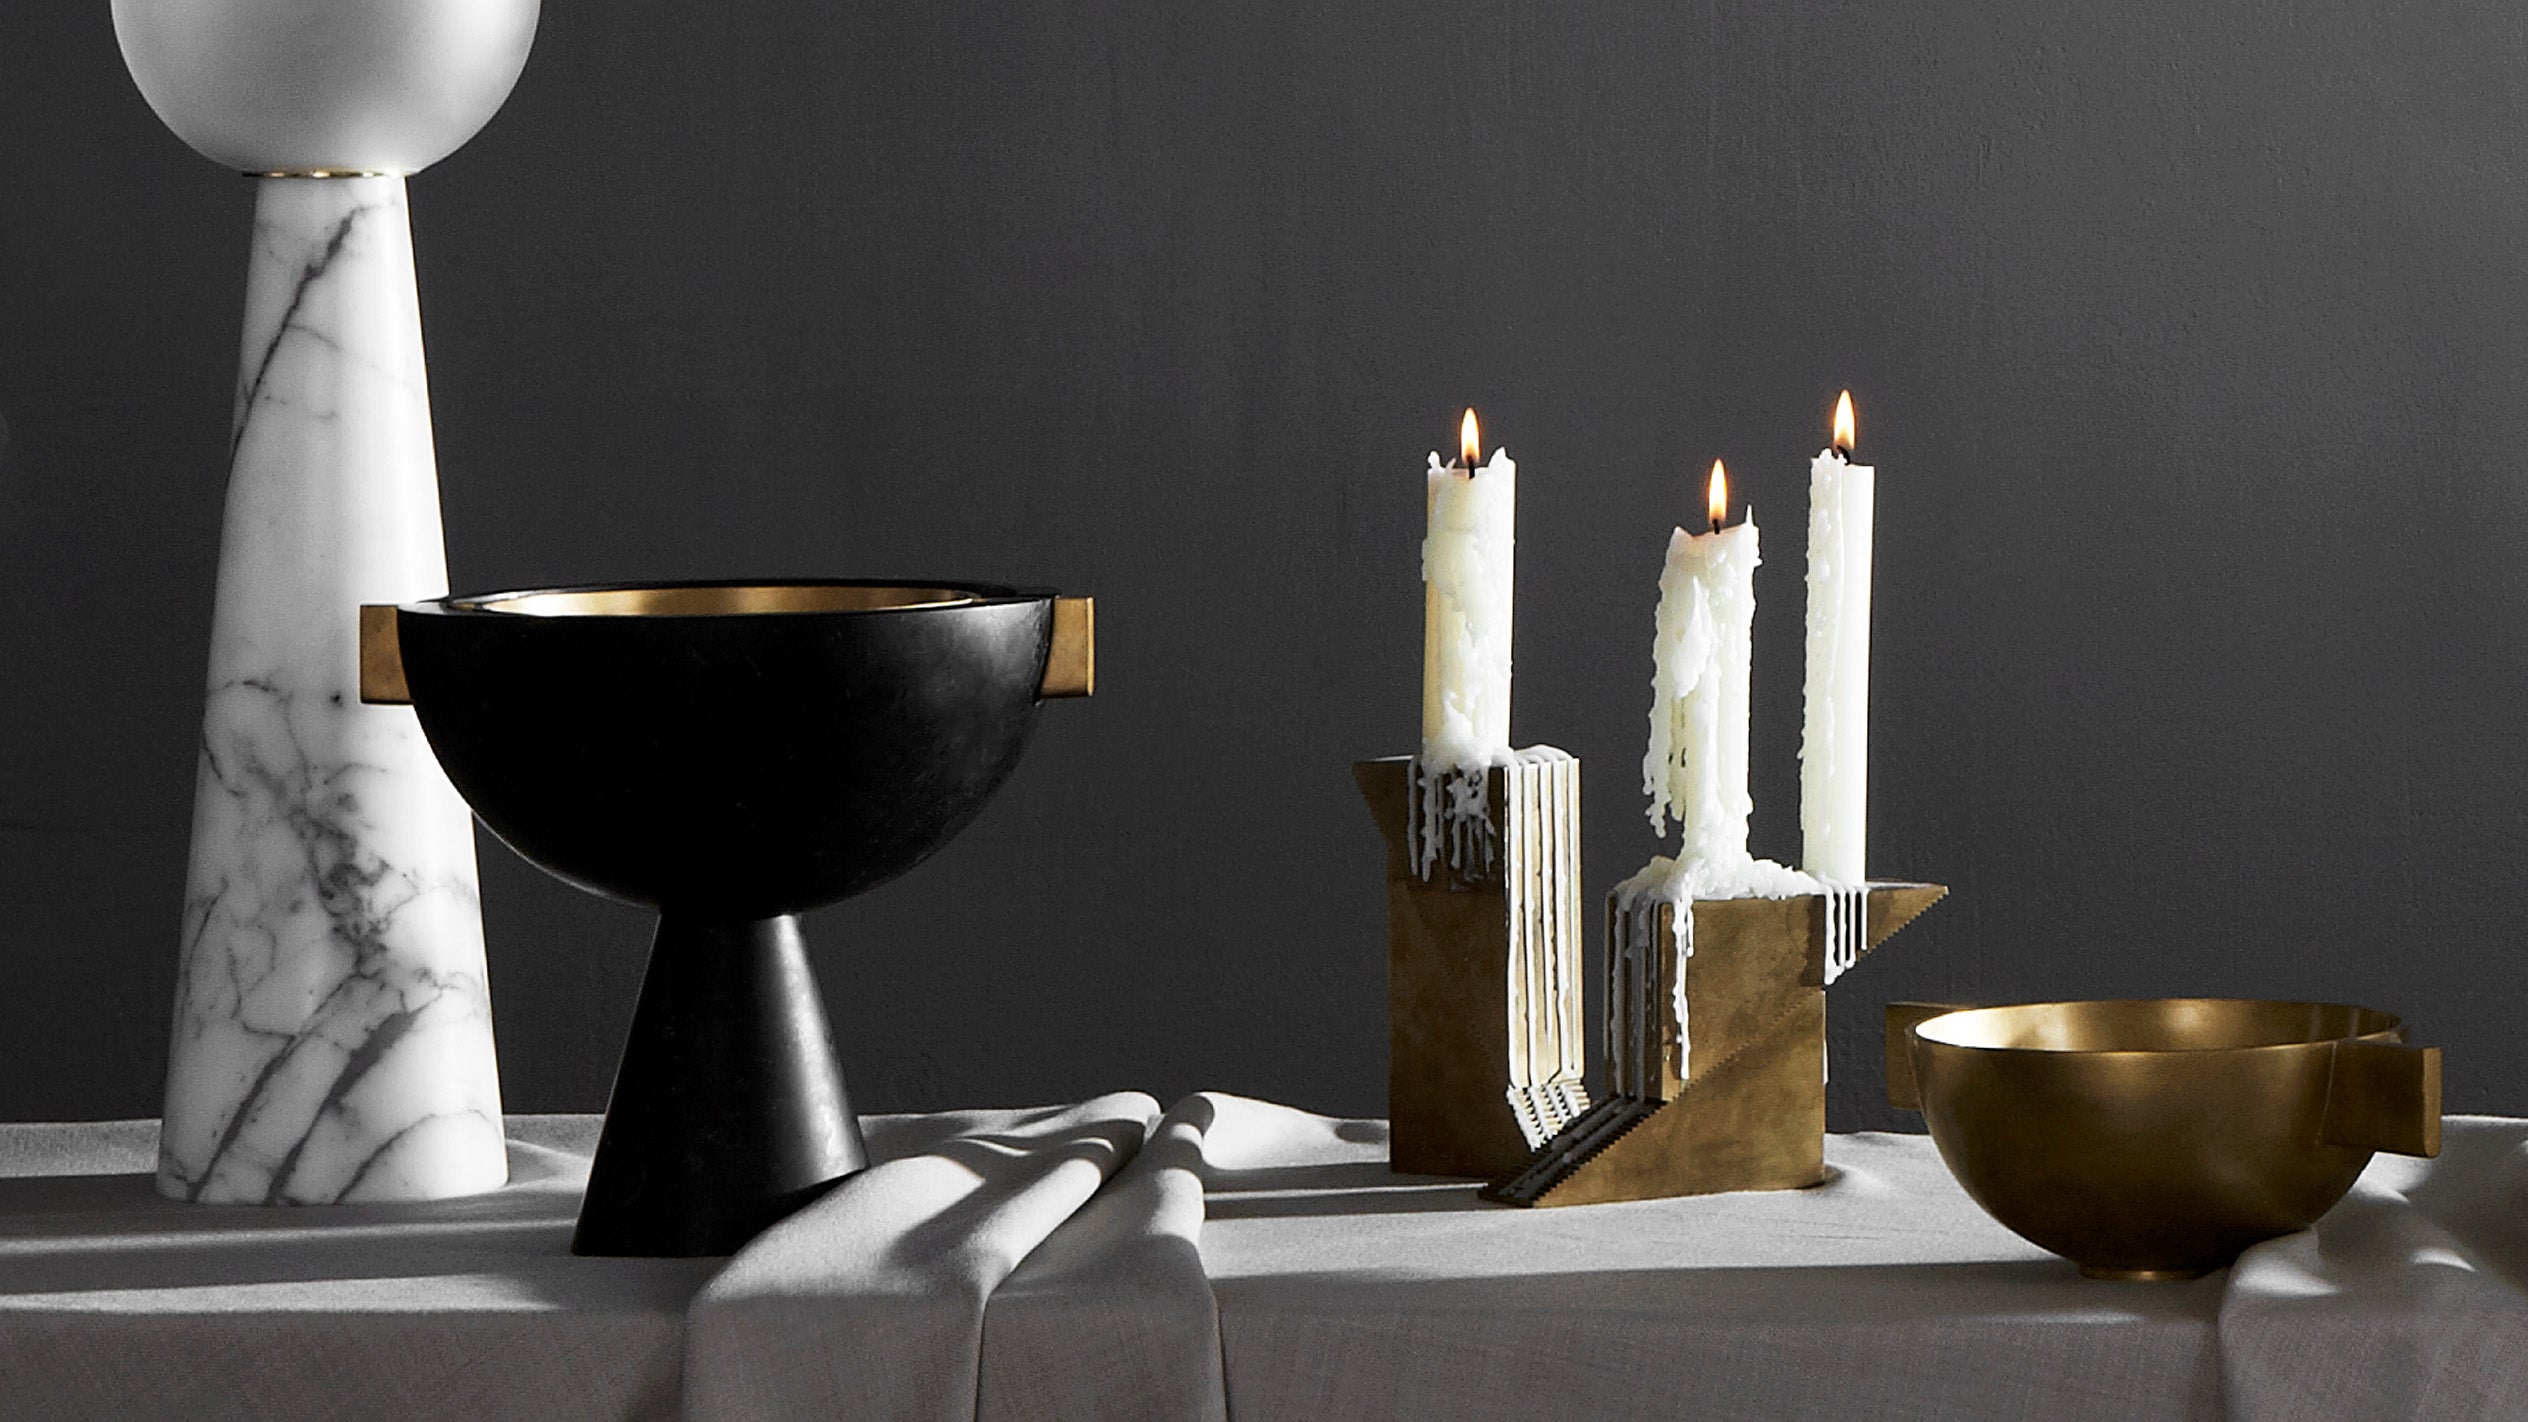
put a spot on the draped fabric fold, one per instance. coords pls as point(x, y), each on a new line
point(1112, 1317)
point(870, 1302)
point(1007, 1266)
point(2404, 1301)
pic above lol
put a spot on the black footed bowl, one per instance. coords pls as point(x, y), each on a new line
point(731, 754)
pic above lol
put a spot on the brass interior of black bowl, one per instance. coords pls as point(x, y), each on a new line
point(715, 600)
point(2166, 1024)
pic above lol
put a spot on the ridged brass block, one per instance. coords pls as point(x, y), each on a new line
point(1740, 1102)
point(1484, 1037)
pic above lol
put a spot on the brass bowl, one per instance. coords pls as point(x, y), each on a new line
point(2155, 1139)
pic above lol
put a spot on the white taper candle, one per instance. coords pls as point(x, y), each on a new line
point(1466, 565)
point(1834, 754)
point(1696, 766)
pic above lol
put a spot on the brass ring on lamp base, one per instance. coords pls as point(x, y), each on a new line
point(325, 173)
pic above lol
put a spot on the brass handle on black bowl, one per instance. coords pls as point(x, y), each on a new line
point(381, 658)
point(1071, 657)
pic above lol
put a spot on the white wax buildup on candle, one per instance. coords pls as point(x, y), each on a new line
point(1452, 817)
point(1466, 565)
point(1834, 754)
point(1466, 605)
point(1696, 766)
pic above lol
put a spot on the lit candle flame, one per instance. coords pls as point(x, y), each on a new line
point(1470, 441)
point(1843, 422)
point(1719, 494)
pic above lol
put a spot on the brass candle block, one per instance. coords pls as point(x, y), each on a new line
point(1484, 1037)
point(1730, 1092)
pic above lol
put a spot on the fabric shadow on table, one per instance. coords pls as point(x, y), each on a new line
point(870, 1302)
point(1250, 1260)
point(1345, 1291)
point(117, 1303)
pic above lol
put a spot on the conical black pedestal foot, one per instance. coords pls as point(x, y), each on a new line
point(728, 1110)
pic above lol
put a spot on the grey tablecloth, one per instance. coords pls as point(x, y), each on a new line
point(1231, 1257)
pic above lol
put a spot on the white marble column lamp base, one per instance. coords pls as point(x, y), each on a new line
point(333, 1035)
point(333, 1031)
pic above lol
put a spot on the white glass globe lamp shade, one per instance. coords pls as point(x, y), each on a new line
point(325, 86)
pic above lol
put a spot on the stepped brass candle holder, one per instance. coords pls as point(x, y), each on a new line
point(1483, 959)
point(1716, 1047)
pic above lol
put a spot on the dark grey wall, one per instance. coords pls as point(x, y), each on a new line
point(2188, 340)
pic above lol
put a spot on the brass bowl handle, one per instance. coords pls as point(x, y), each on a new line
point(1903, 1092)
point(1071, 656)
point(381, 658)
point(2383, 1096)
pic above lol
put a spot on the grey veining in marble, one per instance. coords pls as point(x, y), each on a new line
point(333, 1027)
